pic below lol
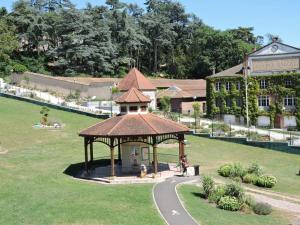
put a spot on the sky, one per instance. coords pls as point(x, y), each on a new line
point(279, 17)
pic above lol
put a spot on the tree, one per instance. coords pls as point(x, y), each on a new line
point(109, 39)
point(45, 114)
point(196, 112)
point(160, 31)
point(165, 103)
point(85, 45)
point(8, 43)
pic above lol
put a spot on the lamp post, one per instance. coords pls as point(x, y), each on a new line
point(245, 71)
point(195, 115)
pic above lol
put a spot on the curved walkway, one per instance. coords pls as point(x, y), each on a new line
point(168, 203)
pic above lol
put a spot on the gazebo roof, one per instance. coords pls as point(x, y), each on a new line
point(135, 79)
point(134, 125)
point(133, 96)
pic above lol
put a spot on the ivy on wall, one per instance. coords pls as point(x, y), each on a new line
point(276, 89)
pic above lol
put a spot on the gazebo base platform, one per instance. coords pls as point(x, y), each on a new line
point(102, 175)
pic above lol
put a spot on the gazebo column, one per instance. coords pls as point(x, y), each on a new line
point(119, 151)
point(155, 156)
point(91, 150)
point(112, 157)
point(86, 153)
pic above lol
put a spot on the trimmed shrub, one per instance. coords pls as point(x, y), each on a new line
point(262, 209)
point(232, 170)
point(19, 68)
point(217, 194)
point(234, 190)
point(250, 201)
point(256, 169)
point(250, 178)
point(266, 181)
point(237, 170)
point(229, 203)
point(208, 185)
point(225, 170)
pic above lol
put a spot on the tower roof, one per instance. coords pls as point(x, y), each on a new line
point(133, 96)
point(135, 79)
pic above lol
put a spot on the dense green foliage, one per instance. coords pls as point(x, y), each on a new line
point(262, 208)
point(57, 38)
point(208, 185)
point(208, 214)
point(253, 174)
point(217, 101)
point(229, 203)
point(232, 170)
point(266, 181)
point(8, 42)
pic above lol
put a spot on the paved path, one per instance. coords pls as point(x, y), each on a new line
point(168, 203)
point(280, 204)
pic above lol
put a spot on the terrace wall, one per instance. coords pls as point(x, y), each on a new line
point(282, 146)
point(59, 107)
point(63, 87)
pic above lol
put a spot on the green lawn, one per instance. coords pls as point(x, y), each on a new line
point(211, 154)
point(208, 214)
point(34, 189)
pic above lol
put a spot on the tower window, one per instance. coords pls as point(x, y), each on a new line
point(123, 109)
point(143, 108)
point(133, 108)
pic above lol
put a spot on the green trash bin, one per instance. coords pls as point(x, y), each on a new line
point(197, 170)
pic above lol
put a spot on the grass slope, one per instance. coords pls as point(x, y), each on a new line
point(211, 154)
point(208, 214)
point(34, 189)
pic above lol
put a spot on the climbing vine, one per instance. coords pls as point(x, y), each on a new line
point(276, 87)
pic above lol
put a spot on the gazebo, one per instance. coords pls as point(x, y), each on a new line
point(133, 133)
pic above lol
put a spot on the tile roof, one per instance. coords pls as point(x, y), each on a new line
point(137, 80)
point(133, 96)
point(134, 125)
point(184, 91)
point(231, 72)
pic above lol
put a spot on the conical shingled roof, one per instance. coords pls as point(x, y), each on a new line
point(133, 96)
point(135, 79)
point(134, 125)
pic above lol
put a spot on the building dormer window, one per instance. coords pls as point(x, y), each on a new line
point(263, 84)
point(288, 83)
point(228, 86)
point(133, 108)
point(218, 86)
